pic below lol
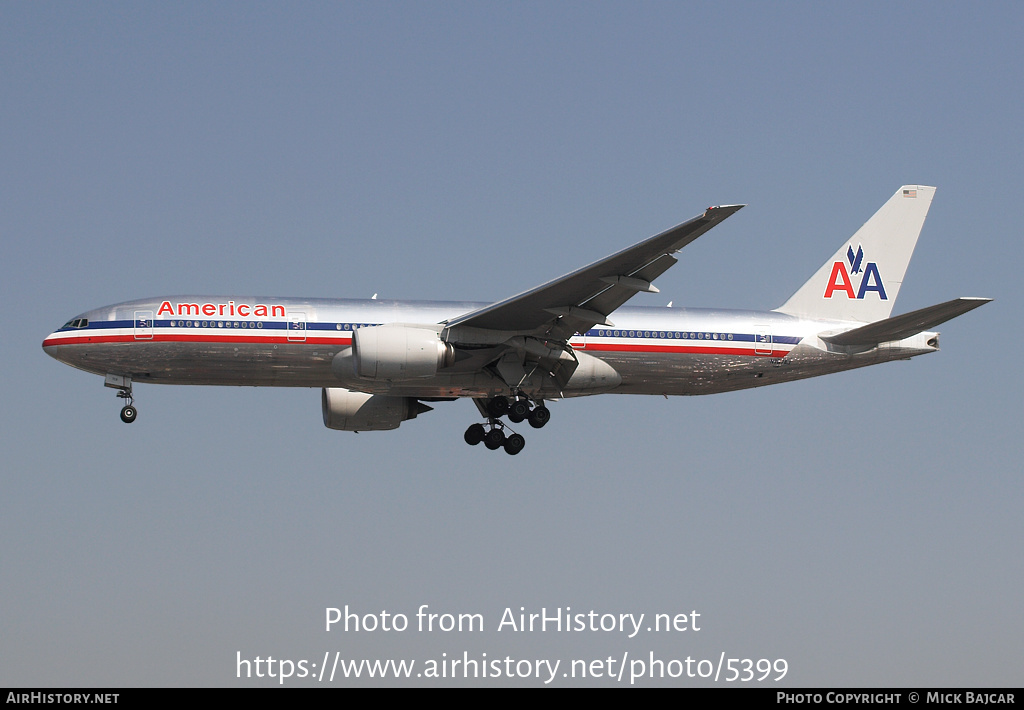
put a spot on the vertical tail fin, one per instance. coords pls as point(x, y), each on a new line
point(862, 279)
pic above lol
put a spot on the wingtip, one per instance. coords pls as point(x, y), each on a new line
point(722, 210)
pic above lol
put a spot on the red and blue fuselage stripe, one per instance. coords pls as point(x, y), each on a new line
point(275, 331)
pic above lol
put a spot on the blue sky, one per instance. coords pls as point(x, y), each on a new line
point(865, 526)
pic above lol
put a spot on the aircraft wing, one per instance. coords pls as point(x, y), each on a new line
point(906, 325)
point(579, 300)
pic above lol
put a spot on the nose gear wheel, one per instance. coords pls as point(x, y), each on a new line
point(128, 411)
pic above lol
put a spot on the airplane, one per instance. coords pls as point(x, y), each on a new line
point(378, 362)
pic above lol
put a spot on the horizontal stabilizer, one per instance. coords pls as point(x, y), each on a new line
point(906, 325)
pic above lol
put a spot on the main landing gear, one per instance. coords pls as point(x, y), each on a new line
point(493, 435)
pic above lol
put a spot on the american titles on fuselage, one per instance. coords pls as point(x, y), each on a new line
point(230, 308)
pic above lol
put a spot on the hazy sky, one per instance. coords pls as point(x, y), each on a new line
point(865, 527)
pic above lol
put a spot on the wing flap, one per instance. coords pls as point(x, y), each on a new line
point(611, 298)
point(906, 325)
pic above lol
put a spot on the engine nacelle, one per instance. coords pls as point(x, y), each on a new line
point(399, 352)
point(357, 411)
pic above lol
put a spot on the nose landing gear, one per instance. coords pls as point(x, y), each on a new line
point(128, 413)
point(123, 385)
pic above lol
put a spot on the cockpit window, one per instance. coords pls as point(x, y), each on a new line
point(77, 323)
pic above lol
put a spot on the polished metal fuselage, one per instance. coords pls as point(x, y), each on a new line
point(292, 342)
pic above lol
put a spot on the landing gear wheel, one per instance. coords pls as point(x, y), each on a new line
point(494, 439)
point(124, 391)
point(519, 411)
point(514, 444)
point(540, 416)
point(475, 434)
point(498, 407)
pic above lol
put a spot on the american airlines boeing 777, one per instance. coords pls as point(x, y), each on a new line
point(379, 361)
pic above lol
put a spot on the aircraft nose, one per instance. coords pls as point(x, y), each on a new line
point(49, 341)
point(63, 336)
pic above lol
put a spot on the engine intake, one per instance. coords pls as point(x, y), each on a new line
point(346, 410)
point(398, 352)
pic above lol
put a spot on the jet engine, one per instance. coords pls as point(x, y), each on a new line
point(357, 411)
point(399, 352)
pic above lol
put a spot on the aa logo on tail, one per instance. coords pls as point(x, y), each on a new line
point(841, 280)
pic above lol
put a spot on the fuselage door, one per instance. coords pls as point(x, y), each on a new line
point(143, 325)
point(296, 327)
point(762, 340)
